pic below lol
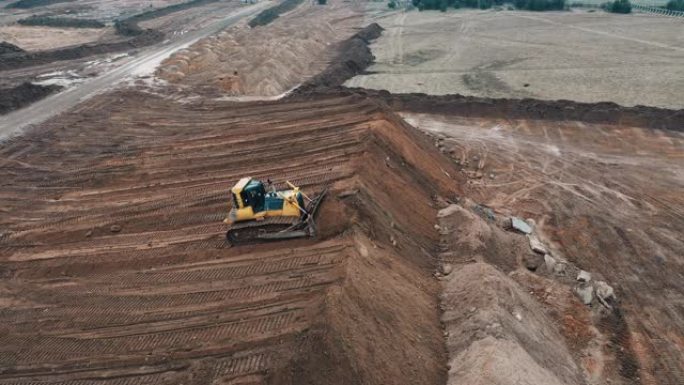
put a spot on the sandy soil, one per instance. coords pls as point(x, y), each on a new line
point(265, 61)
point(43, 38)
point(607, 199)
point(588, 57)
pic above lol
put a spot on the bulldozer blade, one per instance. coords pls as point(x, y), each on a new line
point(316, 202)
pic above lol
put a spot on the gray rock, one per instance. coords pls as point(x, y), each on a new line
point(550, 262)
point(604, 291)
point(585, 292)
point(536, 245)
point(520, 225)
point(584, 276)
point(115, 228)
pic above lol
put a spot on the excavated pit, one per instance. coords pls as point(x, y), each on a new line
point(14, 98)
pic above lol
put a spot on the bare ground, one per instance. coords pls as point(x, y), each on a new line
point(605, 198)
point(264, 61)
point(42, 38)
point(115, 268)
point(165, 300)
point(586, 57)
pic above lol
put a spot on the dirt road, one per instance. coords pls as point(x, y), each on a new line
point(143, 63)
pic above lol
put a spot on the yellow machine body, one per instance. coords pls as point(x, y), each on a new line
point(251, 201)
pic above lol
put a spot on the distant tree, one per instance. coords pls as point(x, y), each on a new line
point(392, 4)
point(540, 5)
point(675, 5)
point(618, 6)
point(530, 5)
point(322, 2)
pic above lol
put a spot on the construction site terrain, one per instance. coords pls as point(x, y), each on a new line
point(462, 240)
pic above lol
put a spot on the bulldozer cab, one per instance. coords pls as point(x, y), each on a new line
point(249, 193)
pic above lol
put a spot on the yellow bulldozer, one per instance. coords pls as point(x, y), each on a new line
point(258, 214)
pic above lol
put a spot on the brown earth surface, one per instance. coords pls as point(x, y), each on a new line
point(113, 247)
point(115, 270)
point(607, 199)
point(265, 61)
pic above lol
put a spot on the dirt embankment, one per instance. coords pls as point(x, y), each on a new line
point(266, 61)
point(29, 59)
point(9, 48)
point(512, 316)
point(268, 15)
point(15, 60)
point(355, 56)
point(138, 37)
point(558, 110)
point(22, 95)
point(130, 231)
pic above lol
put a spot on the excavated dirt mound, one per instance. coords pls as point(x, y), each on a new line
point(139, 37)
point(268, 60)
point(39, 38)
point(28, 59)
point(24, 94)
point(499, 334)
point(558, 110)
point(354, 56)
point(6, 48)
point(113, 247)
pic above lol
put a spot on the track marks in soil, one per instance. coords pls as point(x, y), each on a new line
point(114, 247)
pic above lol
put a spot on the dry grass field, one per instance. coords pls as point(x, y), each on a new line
point(582, 56)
